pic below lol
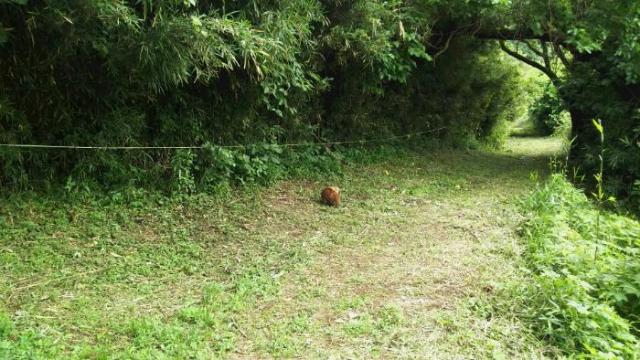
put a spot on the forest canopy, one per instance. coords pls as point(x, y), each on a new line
point(188, 72)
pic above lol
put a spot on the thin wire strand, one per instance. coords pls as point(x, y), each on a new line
point(74, 147)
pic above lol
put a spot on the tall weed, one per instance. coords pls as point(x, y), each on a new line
point(587, 306)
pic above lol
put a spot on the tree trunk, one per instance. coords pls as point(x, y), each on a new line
point(582, 130)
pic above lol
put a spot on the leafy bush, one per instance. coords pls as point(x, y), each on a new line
point(585, 265)
point(547, 113)
point(182, 170)
point(215, 169)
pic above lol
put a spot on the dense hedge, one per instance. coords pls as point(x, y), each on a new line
point(213, 72)
point(177, 72)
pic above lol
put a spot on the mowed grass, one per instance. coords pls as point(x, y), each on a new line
point(405, 268)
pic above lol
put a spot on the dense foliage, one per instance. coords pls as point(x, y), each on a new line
point(590, 52)
point(547, 113)
point(156, 73)
point(586, 294)
point(184, 72)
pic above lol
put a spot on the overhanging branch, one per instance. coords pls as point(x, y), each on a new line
point(488, 31)
point(528, 61)
point(522, 34)
point(551, 42)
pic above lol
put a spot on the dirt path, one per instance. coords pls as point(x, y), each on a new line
point(405, 267)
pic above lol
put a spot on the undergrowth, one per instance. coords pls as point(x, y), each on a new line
point(216, 170)
point(585, 297)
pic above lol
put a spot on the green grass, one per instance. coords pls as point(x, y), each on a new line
point(523, 127)
point(403, 269)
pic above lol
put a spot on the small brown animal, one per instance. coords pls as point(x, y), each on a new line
point(331, 196)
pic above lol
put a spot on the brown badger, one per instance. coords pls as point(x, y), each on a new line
point(331, 196)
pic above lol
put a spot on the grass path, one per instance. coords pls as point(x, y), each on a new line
point(406, 268)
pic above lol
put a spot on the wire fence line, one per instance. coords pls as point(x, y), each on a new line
point(353, 142)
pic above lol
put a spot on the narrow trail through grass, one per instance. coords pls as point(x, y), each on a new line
point(404, 269)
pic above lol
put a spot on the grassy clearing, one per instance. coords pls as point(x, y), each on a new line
point(523, 127)
point(404, 269)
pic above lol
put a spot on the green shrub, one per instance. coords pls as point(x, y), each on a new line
point(547, 113)
point(584, 297)
point(182, 167)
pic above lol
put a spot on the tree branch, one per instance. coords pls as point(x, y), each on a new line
point(528, 61)
point(560, 53)
point(518, 34)
point(545, 55)
point(533, 48)
point(446, 46)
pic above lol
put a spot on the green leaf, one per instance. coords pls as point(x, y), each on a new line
point(598, 125)
point(196, 21)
